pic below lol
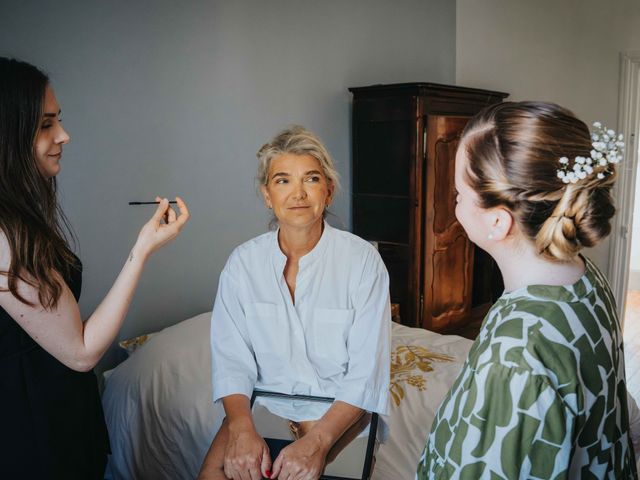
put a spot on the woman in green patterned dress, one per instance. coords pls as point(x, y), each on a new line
point(542, 393)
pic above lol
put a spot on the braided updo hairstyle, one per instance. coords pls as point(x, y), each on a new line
point(514, 150)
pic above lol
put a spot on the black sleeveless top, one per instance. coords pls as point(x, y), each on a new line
point(51, 420)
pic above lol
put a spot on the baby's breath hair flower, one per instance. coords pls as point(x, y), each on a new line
point(608, 149)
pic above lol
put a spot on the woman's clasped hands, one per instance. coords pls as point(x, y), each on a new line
point(302, 460)
point(247, 457)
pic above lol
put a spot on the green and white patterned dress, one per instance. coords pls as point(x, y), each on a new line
point(542, 393)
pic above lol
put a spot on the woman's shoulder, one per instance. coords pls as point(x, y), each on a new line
point(528, 318)
point(352, 244)
point(545, 337)
point(361, 256)
point(250, 252)
point(585, 308)
point(349, 238)
point(255, 244)
point(526, 334)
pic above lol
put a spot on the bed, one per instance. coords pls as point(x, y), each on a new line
point(161, 419)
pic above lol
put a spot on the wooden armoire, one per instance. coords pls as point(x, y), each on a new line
point(404, 142)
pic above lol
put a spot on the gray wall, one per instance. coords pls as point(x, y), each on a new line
point(169, 97)
point(566, 52)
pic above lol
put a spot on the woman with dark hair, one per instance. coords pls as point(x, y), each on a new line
point(542, 393)
point(50, 412)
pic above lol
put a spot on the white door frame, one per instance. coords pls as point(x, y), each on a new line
point(629, 126)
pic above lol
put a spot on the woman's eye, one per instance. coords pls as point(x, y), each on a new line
point(313, 179)
point(281, 180)
point(45, 125)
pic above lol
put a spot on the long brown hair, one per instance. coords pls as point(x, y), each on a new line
point(514, 151)
point(30, 216)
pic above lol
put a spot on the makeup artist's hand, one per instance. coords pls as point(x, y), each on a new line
point(304, 459)
point(247, 455)
point(164, 226)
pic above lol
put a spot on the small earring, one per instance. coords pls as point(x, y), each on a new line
point(490, 236)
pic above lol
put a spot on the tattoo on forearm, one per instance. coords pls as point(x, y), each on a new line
point(131, 256)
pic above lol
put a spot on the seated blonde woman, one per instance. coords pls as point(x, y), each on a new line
point(300, 310)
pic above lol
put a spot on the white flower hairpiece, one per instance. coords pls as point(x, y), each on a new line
point(608, 149)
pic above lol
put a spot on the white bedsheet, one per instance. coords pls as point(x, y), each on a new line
point(161, 418)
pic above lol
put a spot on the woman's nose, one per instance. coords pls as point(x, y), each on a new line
point(300, 191)
point(62, 137)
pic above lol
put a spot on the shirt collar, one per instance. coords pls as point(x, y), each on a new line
point(310, 257)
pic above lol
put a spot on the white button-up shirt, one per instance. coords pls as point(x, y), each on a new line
point(333, 342)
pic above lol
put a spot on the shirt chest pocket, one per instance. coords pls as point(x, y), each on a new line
point(266, 327)
point(330, 329)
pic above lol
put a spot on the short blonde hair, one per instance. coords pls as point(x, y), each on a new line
point(296, 140)
point(514, 151)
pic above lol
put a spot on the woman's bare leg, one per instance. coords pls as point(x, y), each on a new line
point(213, 465)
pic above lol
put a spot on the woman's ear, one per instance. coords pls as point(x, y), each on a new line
point(501, 223)
point(265, 196)
point(331, 190)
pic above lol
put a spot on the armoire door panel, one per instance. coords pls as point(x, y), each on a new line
point(451, 287)
point(446, 239)
point(444, 194)
point(448, 255)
